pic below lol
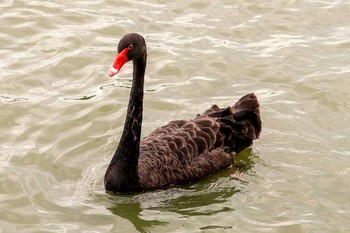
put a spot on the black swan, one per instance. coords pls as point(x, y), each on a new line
point(181, 151)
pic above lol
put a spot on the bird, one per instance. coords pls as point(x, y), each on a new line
point(182, 151)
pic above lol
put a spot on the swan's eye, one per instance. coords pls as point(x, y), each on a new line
point(130, 47)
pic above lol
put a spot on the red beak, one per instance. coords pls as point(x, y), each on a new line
point(119, 61)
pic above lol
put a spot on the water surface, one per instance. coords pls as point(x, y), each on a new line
point(61, 116)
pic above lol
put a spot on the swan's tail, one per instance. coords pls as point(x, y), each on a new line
point(240, 124)
point(247, 110)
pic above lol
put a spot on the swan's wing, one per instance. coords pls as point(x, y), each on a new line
point(184, 151)
point(181, 152)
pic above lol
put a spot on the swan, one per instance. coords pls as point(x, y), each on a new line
point(181, 151)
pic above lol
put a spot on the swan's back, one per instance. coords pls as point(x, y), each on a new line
point(185, 151)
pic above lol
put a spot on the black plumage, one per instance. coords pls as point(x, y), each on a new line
point(182, 151)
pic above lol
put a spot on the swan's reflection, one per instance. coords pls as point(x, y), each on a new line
point(147, 211)
point(133, 212)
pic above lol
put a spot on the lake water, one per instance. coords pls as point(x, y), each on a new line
point(61, 116)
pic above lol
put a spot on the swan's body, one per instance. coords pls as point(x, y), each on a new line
point(181, 151)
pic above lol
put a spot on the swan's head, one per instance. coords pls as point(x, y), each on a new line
point(131, 46)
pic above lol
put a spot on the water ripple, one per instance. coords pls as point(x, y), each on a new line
point(61, 116)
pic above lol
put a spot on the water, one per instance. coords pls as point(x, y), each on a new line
point(61, 116)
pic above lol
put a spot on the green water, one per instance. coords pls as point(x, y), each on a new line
point(61, 116)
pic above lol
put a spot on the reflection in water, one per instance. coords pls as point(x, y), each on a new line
point(132, 212)
point(203, 198)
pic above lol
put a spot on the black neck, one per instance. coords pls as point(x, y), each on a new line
point(123, 166)
point(130, 140)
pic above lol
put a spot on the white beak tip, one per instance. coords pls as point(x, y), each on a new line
point(112, 71)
